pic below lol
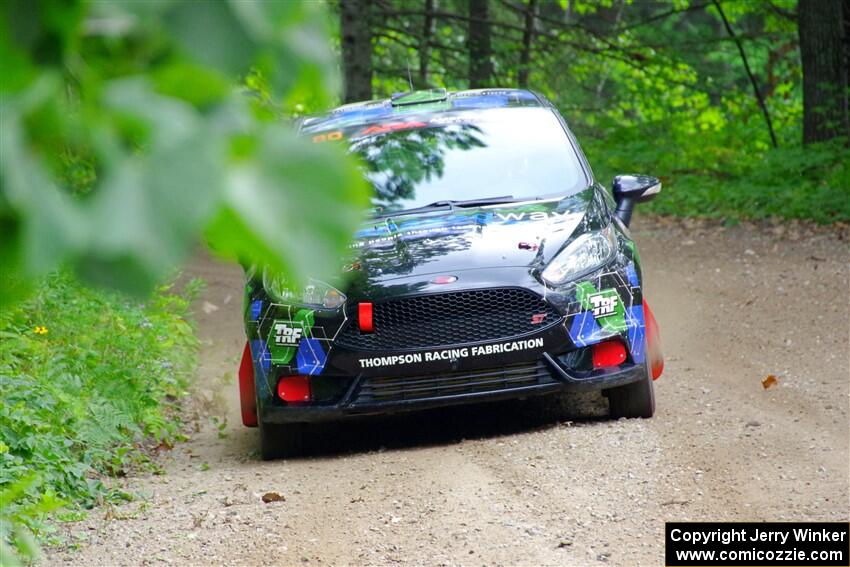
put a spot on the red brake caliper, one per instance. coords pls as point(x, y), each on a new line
point(247, 399)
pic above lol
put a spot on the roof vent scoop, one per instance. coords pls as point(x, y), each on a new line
point(419, 97)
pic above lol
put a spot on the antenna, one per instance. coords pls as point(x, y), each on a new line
point(409, 79)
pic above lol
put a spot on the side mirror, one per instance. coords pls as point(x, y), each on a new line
point(632, 189)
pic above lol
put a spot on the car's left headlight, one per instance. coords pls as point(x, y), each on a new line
point(583, 255)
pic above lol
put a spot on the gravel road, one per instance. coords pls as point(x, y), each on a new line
point(516, 483)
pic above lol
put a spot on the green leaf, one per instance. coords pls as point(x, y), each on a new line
point(210, 33)
point(197, 85)
point(51, 226)
point(294, 206)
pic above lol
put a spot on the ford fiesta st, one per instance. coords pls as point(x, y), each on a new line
point(493, 266)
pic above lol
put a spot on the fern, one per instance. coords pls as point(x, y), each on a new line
point(78, 400)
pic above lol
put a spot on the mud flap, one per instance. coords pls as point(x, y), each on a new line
point(653, 342)
point(247, 397)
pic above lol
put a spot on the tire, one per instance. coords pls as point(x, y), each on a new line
point(280, 440)
point(633, 400)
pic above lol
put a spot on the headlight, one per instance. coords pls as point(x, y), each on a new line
point(315, 293)
point(583, 255)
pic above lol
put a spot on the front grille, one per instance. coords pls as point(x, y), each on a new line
point(452, 318)
point(397, 389)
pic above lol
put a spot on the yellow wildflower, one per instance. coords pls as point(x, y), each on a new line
point(40, 330)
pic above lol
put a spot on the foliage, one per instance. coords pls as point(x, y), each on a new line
point(650, 87)
point(125, 138)
point(727, 178)
point(130, 131)
point(86, 378)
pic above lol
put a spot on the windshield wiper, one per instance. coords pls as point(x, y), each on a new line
point(476, 202)
point(451, 204)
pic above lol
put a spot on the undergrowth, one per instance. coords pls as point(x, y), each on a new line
point(88, 380)
point(722, 175)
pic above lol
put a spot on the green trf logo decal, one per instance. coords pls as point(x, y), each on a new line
point(286, 334)
point(606, 305)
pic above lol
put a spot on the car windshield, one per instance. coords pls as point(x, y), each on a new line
point(516, 153)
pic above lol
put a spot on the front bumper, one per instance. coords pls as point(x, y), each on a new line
point(547, 376)
point(359, 381)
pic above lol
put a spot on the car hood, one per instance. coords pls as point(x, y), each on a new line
point(445, 242)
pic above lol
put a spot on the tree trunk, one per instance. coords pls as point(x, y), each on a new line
point(425, 42)
point(776, 56)
point(480, 50)
point(527, 40)
point(821, 28)
point(356, 41)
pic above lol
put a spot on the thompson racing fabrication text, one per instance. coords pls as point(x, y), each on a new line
point(450, 353)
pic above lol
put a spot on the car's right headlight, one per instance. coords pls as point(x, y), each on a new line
point(587, 253)
point(315, 294)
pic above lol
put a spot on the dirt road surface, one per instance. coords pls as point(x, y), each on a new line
point(519, 484)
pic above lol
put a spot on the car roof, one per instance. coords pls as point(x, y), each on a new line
point(433, 101)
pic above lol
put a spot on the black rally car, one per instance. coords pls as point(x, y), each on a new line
point(493, 266)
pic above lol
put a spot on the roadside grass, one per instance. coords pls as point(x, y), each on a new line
point(89, 381)
point(703, 177)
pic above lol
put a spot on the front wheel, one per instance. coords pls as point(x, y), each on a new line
point(280, 440)
point(633, 400)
